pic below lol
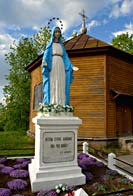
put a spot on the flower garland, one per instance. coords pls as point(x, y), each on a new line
point(46, 108)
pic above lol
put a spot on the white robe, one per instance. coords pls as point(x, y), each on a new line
point(57, 76)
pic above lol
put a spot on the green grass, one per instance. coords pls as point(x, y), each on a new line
point(16, 144)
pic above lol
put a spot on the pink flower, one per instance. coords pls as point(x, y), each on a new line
point(70, 194)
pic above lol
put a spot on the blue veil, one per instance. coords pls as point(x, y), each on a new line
point(47, 57)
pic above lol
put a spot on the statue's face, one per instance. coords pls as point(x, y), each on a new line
point(57, 33)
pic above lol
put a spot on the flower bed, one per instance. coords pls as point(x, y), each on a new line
point(99, 179)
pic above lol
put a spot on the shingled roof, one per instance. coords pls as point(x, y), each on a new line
point(84, 44)
point(83, 41)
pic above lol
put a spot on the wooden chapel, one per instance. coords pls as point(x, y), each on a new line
point(102, 90)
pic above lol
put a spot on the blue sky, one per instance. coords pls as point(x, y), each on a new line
point(106, 19)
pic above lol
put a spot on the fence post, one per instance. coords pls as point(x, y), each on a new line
point(85, 147)
point(111, 161)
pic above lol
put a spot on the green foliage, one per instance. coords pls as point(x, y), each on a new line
point(75, 34)
point(102, 187)
point(2, 117)
point(131, 185)
point(11, 143)
point(41, 39)
point(17, 92)
point(124, 42)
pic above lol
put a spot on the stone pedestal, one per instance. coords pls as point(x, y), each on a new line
point(55, 158)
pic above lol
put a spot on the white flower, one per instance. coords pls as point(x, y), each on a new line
point(63, 188)
point(57, 190)
point(56, 187)
point(60, 185)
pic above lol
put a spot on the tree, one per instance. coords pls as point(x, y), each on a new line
point(2, 117)
point(17, 92)
point(124, 42)
point(74, 34)
point(41, 39)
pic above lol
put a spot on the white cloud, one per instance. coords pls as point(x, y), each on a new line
point(115, 11)
point(122, 9)
point(4, 70)
point(92, 24)
point(1, 93)
point(126, 7)
point(14, 27)
point(36, 28)
point(115, 1)
point(128, 28)
point(95, 23)
point(3, 101)
point(36, 13)
point(5, 41)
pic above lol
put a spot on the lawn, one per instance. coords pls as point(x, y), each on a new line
point(16, 144)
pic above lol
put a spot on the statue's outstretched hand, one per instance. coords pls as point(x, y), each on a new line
point(75, 68)
point(44, 64)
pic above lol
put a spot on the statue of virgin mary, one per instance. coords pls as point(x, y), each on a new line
point(57, 71)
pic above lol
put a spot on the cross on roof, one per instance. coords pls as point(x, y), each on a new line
point(83, 14)
point(83, 29)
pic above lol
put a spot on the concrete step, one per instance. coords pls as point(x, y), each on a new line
point(130, 146)
point(125, 163)
point(126, 143)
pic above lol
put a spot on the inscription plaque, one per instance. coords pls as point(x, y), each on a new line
point(58, 147)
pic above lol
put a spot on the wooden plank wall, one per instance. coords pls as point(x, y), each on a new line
point(36, 78)
point(87, 95)
point(120, 78)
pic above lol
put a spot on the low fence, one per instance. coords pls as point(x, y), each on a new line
point(111, 161)
point(95, 152)
point(121, 166)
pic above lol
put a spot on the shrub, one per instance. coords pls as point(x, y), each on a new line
point(3, 160)
point(7, 170)
point(19, 173)
point(19, 166)
point(21, 160)
point(42, 192)
point(1, 166)
point(18, 195)
point(17, 184)
point(5, 192)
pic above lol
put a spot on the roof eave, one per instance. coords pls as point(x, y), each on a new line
point(105, 50)
point(108, 50)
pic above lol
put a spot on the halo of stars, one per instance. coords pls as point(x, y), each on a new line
point(55, 19)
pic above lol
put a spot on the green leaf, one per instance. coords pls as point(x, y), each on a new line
point(124, 42)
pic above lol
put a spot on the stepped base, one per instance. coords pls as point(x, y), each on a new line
point(55, 160)
point(49, 178)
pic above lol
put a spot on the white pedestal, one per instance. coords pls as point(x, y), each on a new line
point(55, 160)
